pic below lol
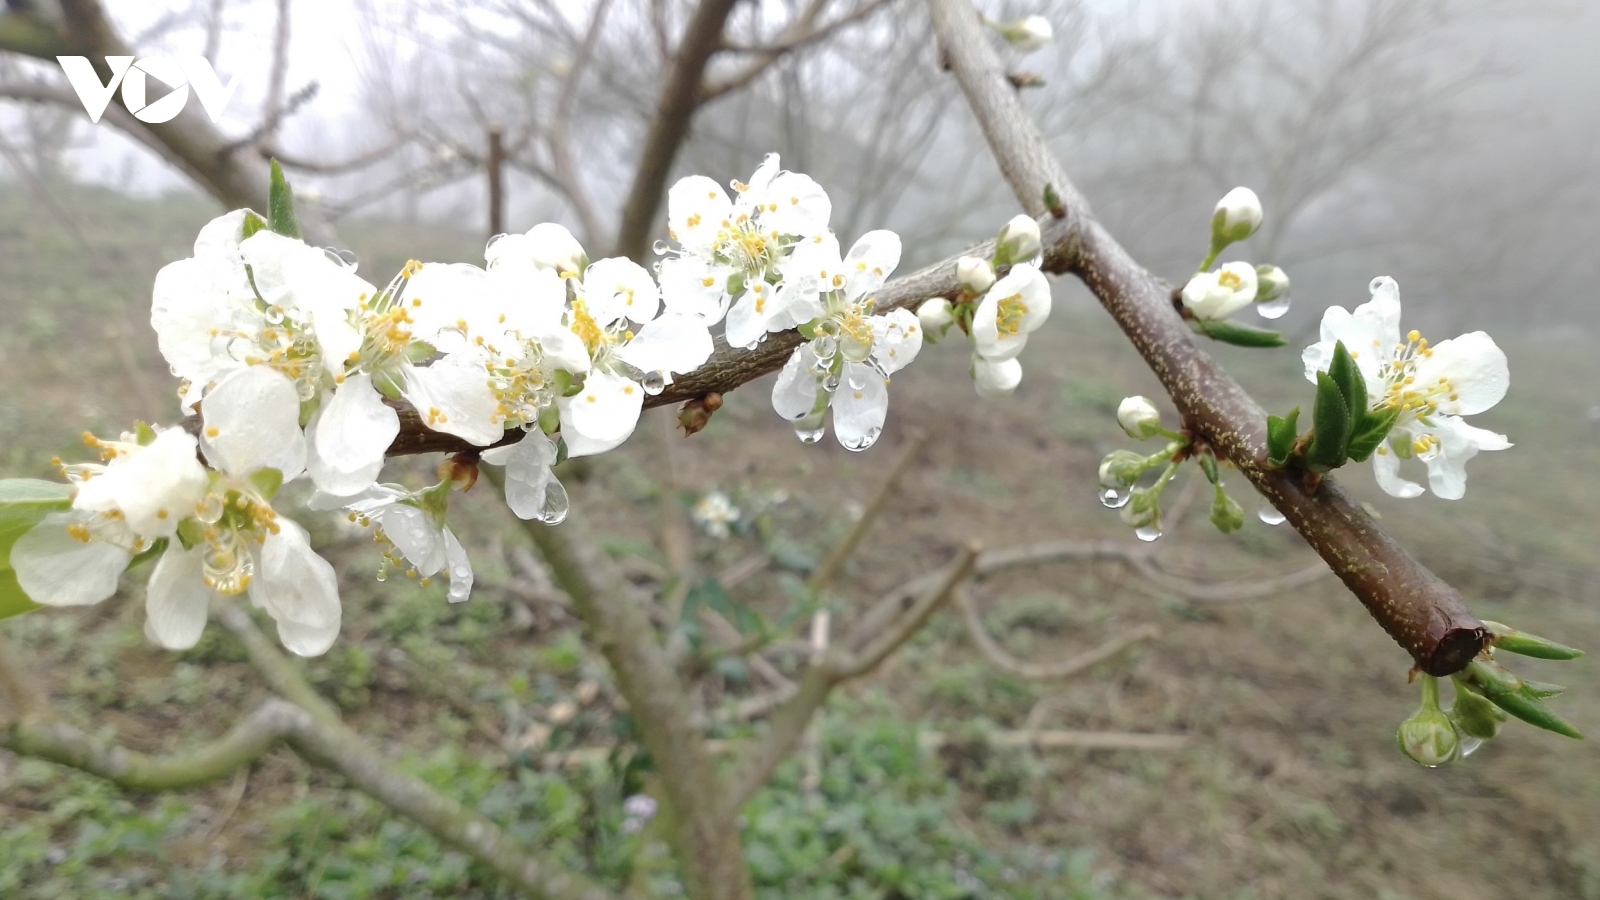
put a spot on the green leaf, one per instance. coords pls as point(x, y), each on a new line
point(253, 223)
point(1238, 335)
point(13, 602)
point(280, 205)
point(1520, 642)
point(156, 548)
point(1525, 707)
point(1344, 373)
point(24, 502)
point(1330, 418)
point(1371, 428)
point(1281, 432)
point(711, 593)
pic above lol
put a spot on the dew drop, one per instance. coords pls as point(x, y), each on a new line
point(830, 382)
point(1469, 745)
point(556, 503)
point(1273, 309)
point(1270, 516)
point(857, 381)
point(492, 241)
point(1147, 534)
point(862, 442)
point(1115, 498)
point(273, 315)
point(825, 347)
point(653, 383)
point(752, 345)
point(661, 248)
point(809, 435)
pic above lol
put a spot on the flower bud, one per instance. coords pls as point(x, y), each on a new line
point(1027, 35)
point(1018, 241)
point(1139, 418)
point(1271, 283)
point(1429, 738)
point(935, 318)
point(974, 275)
point(1220, 294)
point(1237, 216)
point(1142, 508)
point(994, 380)
point(1474, 716)
point(1121, 468)
point(553, 247)
point(1226, 513)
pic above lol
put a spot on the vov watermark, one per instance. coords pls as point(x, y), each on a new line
point(181, 73)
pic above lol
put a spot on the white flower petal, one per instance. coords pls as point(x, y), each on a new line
point(1024, 295)
point(696, 208)
point(252, 421)
point(292, 583)
point(619, 288)
point(1386, 466)
point(55, 569)
point(191, 312)
point(528, 477)
point(306, 640)
point(459, 567)
point(453, 396)
point(794, 394)
point(153, 487)
point(795, 204)
point(1476, 369)
point(602, 415)
point(870, 261)
point(993, 380)
point(860, 406)
point(694, 285)
point(414, 535)
point(349, 436)
point(896, 339)
point(177, 600)
point(673, 344)
point(1458, 443)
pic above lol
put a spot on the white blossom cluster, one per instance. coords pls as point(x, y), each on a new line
point(294, 365)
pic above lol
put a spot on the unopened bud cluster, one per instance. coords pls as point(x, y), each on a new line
point(1213, 295)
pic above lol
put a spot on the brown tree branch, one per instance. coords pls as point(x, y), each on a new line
point(680, 97)
point(189, 142)
point(1054, 671)
point(310, 727)
point(1423, 614)
point(800, 33)
point(859, 653)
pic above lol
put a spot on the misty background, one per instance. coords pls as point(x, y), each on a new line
point(1449, 143)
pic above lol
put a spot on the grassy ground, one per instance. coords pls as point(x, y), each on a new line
point(1289, 786)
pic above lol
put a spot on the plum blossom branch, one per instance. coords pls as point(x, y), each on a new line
point(1422, 613)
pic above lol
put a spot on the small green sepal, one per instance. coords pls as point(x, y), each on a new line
point(1239, 335)
point(1281, 432)
point(1524, 644)
point(280, 205)
point(1330, 418)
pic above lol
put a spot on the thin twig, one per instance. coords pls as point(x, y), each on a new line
point(1055, 671)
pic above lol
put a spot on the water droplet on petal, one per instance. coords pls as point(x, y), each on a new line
point(653, 383)
point(830, 382)
point(1147, 534)
point(661, 247)
point(1115, 498)
point(556, 503)
point(752, 345)
point(825, 346)
point(1273, 309)
point(862, 442)
point(492, 241)
point(809, 435)
point(857, 381)
point(1270, 516)
point(273, 314)
point(1469, 745)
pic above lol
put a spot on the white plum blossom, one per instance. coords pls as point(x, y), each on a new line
point(852, 352)
point(414, 532)
point(715, 514)
point(1236, 217)
point(1014, 307)
point(625, 364)
point(995, 379)
point(1139, 417)
point(732, 253)
point(936, 318)
point(1431, 385)
point(1019, 240)
point(137, 495)
point(547, 246)
point(1218, 295)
